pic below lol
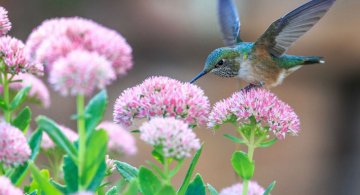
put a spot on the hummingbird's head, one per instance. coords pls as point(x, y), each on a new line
point(221, 62)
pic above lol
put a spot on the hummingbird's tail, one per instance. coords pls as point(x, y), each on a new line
point(312, 60)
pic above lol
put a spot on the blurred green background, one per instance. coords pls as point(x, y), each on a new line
point(173, 38)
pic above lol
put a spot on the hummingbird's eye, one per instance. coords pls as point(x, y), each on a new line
point(220, 62)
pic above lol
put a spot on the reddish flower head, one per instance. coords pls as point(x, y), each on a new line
point(236, 189)
point(162, 97)
point(5, 24)
point(261, 104)
point(81, 72)
point(14, 149)
point(120, 140)
point(56, 38)
point(174, 136)
point(7, 188)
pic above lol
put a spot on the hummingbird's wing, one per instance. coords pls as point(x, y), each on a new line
point(286, 30)
point(229, 22)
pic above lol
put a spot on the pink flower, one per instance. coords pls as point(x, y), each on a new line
point(80, 72)
point(47, 143)
point(267, 109)
point(7, 188)
point(120, 140)
point(110, 164)
point(12, 53)
point(253, 189)
point(38, 92)
point(5, 24)
point(162, 97)
point(55, 38)
point(174, 136)
point(14, 149)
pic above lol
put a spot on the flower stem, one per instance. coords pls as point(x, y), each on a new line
point(7, 111)
point(166, 171)
point(251, 148)
point(80, 102)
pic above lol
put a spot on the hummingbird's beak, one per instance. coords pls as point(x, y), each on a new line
point(202, 73)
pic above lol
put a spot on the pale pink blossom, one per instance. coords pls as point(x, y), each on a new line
point(120, 139)
point(267, 109)
point(253, 189)
point(7, 188)
point(81, 72)
point(14, 149)
point(162, 97)
point(173, 136)
point(47, 143)
point(110, 164)
point(13, 56)
point(5, 24)
point(55, 38)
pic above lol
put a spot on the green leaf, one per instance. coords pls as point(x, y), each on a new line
point(42, 181)
point(99, 176)
point(19, 97)
point(95, 111)
point(19, 172)
point(127, 171)
point(269, 188)
point(242, 165)
point(96, 148)
point(268, 143)
point(166, 190)
point(70, 175)
point(32, 193)
point(132, 188)
point(135, 131)
point(23, 119)
point(3, 105)
point(157, 154)
point(156, 168)
point(58, 186)
point(234, 139)
point(149, 183)
point(212, 190)
point(196, 187)
point(112, 191)
point(189, 172)
point(56, 135)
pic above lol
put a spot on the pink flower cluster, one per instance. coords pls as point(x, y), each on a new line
point(12, 52)
point(263, 105)
point(7, 188)
point(47, 143)
point(162, 97)
point(5, 24)
point(56, 38)
point(174, 136)
point(80, 72)
point(14, 149)
point(120, 140)
point(253, 189)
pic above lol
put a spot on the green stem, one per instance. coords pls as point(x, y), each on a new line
point(166, 172)
point(7, 112)
point(80, 102)
point(251, 148)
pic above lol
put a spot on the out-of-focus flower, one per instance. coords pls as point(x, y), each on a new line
point(7, 188)
point(120, 140)
point(55, 38)
point(162, 97)
point(261, 104)
point(14, 59)
point(47, 143)
point(38, 92)
point(253, 189)
point(5, 24)
point(83, 193)
point(14, 149)
point(80, 72)
point(110, 165)
point(173, 136)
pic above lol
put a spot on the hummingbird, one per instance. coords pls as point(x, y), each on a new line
point(263, 62)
